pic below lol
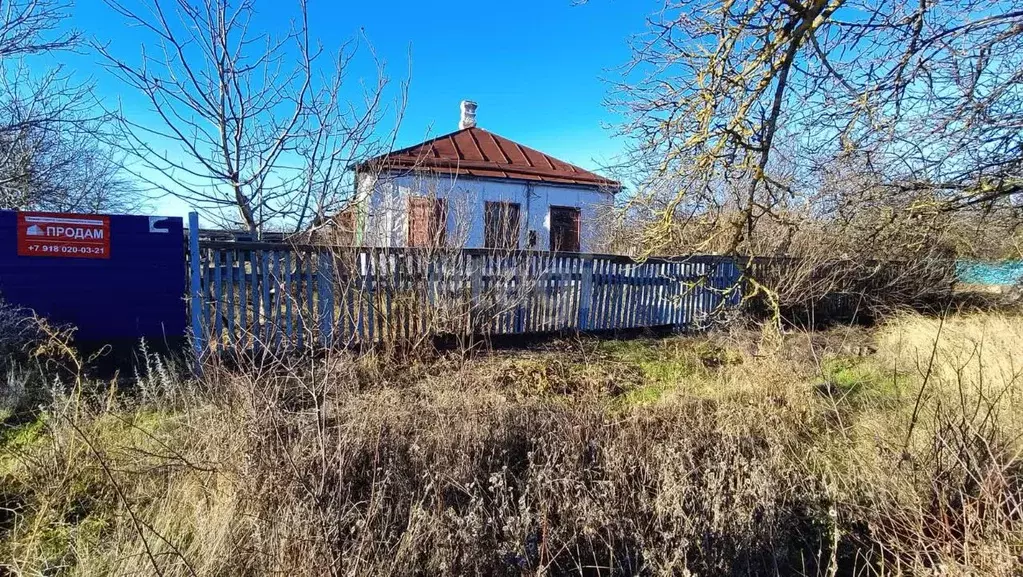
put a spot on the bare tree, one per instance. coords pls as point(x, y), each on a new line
point(255, 128)
point(34, 27)
point(858, 136)
point(50, 157)
point(30, 27)
point(746, 108)
point(27, 28)
point(63, 167)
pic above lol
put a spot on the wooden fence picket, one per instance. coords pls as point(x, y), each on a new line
point(255, 296)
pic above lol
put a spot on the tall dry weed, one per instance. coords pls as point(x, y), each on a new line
point(710, 458)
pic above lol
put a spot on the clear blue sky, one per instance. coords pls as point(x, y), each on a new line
point(536, 67)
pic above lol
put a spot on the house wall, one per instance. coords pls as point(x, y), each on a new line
point(386, 200)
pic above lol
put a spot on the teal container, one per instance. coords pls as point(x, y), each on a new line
point(1002, 273)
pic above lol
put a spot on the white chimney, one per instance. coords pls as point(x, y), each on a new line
point(468, 119)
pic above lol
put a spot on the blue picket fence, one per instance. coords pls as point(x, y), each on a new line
point(250, 295)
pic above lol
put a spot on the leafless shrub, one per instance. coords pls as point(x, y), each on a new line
point(824, 290)
point(17, 330)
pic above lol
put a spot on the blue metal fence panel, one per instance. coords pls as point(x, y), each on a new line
point(138, 292)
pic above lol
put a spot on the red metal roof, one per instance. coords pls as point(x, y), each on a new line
point(478, 152)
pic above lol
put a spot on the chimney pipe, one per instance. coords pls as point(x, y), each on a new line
point(468, 119)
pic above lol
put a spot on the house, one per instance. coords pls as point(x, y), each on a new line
point(475, 189)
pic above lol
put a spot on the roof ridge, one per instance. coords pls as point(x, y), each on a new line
point(476, 142)
point(450, 156)
point(497, 144)
point(410, 148)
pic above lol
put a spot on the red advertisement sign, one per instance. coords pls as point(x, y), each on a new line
point(63, 235)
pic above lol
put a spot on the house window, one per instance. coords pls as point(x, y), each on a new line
point(564, 229)
point(501, 225)
point(427, 221)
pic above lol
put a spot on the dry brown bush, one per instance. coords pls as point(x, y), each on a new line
point(712, 457)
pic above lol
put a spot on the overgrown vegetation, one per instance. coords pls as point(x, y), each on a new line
point(857, 141)
point(866, 145)
point(853, 452)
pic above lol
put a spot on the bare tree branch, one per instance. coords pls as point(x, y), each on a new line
point(249, 122)
point(50, 156)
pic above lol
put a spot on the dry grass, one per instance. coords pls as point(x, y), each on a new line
point(713, 455)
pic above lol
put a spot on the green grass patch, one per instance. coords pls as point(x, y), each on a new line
point(861, 378)
point(667, 371)
point(647, 394)
point(627, 350)
point(671, 360)
point(556, 379)
point(21, 436)
point(664, 365)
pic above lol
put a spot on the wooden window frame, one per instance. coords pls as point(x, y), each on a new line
point(436, 225)
point(510, 231)
point(552, 239)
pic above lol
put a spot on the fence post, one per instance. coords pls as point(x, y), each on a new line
point(198, 344)
point(325, 300)
point(476, 306)
point(736, 277)
point(585, 292)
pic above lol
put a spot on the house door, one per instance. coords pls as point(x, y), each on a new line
point(564, 229)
